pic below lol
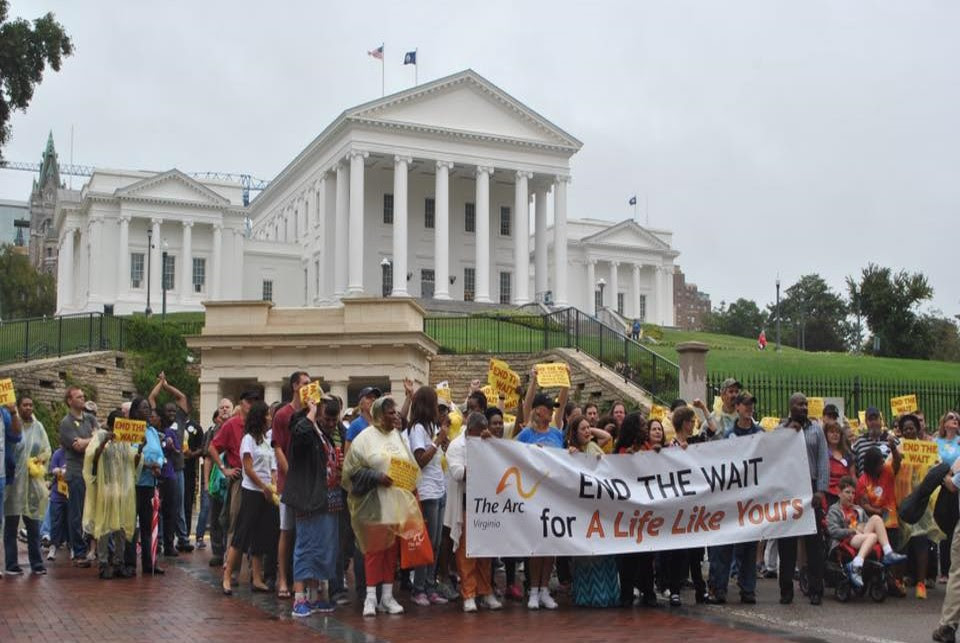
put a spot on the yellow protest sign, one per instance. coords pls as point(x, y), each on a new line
point(903, 404)
point(502, 378)
point(311, 391)
point(127, 430)
point(815, 407)
point(769, 423)
point(443, 394)
point(493, 398)
point(658, 412)
point(920, 453)
point(509, 419)
point(512, 402)
point(862, 417)
point(7, 394)
point(717, 405)
point(854, 424)
point(553, 375)
point(403, 473)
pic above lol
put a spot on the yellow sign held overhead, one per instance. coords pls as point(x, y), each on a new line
point(7, 394)
point(921, 453)
point(903, 404)
point(311, 391)
point(502, 378)
point(815, 407)
point(443, 394)
point(553, 375)
point(493, 398)
point(769, 423)
point(862, 417)
point(658, 412)
point(127, 430)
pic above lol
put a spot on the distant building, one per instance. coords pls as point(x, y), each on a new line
point(12, 212)
point(47, 192)
point(690, 305)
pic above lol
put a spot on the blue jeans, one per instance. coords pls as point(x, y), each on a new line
point(45, 525)
point(425, 576)
point(58, 523)
point(204, 514)
point(78, 491)
point(721, 559)
point(183, 535)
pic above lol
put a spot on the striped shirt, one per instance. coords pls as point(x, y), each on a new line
point(865, 443)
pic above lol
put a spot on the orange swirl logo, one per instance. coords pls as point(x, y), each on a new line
point(515, 472)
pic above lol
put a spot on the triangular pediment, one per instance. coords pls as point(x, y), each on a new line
point(465, 103)
point(173, 185)
point(626, 233)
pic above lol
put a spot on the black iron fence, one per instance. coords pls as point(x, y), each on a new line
point(41, 337)
point(773, 393)
point(567, 328)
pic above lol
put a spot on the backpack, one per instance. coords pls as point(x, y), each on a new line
point(217, 484)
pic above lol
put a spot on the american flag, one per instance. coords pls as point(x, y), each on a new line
point(376, 53)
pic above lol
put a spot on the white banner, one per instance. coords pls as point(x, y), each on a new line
point(525, 500)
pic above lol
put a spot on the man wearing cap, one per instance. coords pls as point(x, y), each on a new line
point(875, 437)
point(722, 556)
point(727, 416)
point(818, 458)
point(368, 395)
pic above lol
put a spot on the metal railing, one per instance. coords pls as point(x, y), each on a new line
point(566, 328)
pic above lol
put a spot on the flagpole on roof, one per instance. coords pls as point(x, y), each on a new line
point(635, 215)
point(416, 68)
point(383, 58)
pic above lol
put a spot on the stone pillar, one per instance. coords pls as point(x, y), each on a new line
point(156, 260)
point(636, 292)
point(483, 234)
point(209, 397)
point(341, 233)
point(66, 275)
point(614, 283)
point(400, 165)
point(692, 357)
point(272, 391)
point(668, 316)
point(186, 265)
point(540, 242)
point(591, 305)
point(521, 240)
point(94, 273)
point(560, 240)
point(217, 260)
point(355, 260)
point(441, 232)
point(123, 256)
point(339, 389)
point(320, 209)
point(660, 294)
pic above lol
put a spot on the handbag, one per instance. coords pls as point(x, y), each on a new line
point(416, 549)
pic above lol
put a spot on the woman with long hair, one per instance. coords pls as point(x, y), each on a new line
point(842, 463)
point(946, 509)
point(685, 561)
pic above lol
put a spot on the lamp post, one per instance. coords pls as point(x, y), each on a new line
point(148, 312)
point(601, 284)
point(163, 282)
point(778, 313)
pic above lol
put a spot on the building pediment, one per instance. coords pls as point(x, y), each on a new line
point(628, 233)
point(172, 186)
point(464, 104)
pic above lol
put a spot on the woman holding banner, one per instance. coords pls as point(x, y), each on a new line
point(681, 562)
point(381, 507)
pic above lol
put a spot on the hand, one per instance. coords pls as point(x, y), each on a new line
point(408, 387)
point(109, 437)
point(892, 442)
point(385, 480)
point(956, 466)
point(818, 499)
point(698, 404)
point(268, 494)
point(572, 450)
point(12, 407)
point(231, 472)
point(162, 377)
point(486, 435)
point(474, 386)
point(533, 371)
point(312, 410)
point(442, 440)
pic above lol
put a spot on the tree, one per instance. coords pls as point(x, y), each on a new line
point(888, 302)
point(24, 291)
point(944, 338)
point(25, 51)
point(812, 316)
point(742, 318)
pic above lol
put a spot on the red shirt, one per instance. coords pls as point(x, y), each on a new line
point(281, 438)
point(227, 440)
point(880, 493)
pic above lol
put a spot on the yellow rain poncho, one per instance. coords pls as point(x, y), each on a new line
point(379, 514)
point(111, 501)
point(28, 494)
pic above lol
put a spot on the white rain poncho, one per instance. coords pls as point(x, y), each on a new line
point(28, 494)
point(110, 503)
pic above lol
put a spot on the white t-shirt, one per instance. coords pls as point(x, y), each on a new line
point(264, 460)
point(432, 483)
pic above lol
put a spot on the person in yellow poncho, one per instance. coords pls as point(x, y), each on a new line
point(381, 507)
point(110, 507)
point(27, 494)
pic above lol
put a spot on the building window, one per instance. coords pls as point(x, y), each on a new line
point(469, 217)
point(388, 208)
point(506, 221)
point(620, 302)
point(642, 313)
point(136, 269)
point(505, 291)
point(199, 274)
point(427, 283)
point(386, 278)
point(597, 301)
point(429, 212)
point(469, 283)
point(316, 272)
point(169, 271)
point(267, 290)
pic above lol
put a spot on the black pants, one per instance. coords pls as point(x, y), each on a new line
point(816, 559)
point(145, 526)
point(635, 570)
point(189, 491)
point(169, 496)
point(680, 562)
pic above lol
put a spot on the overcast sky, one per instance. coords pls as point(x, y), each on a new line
point(771, 137)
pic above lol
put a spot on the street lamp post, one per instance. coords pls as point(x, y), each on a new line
point(148, 312)
point(601, 284)
point(778, 314)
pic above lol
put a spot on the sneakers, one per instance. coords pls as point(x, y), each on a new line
point(302, 609)
point(921, 591)
point(321, 607)
point(945, 634)
point(546, 600)
point(717, 598)
point(45, 540)
point(216, 561)
point(447, 591)
point(421, 599)
point(52, 553)
point(675, 600)
point(39, 570)
point(436, 599)
point(469, 605)
point(893, 558)
point(341, 598)
point(185, 547)
point(533, 603)
point(748, 598)
point(491, 603)
point(14, 571)
point(390, 606)
point(370, 606)
point(855, 574)
point(201, 544)
point(514, 593)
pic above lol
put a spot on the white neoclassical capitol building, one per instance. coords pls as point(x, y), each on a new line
point(450, 190)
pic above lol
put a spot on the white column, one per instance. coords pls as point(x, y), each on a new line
point(668, 316)
point(540, 242)
point(441, 232)
point(94, 276)
point(186, 263)
point(341, 233)
point(590, 306)
point(320, 207)
point(65, 262)
point(123, 257)
point(614, 283)
point(156, 261)
point(217, 255)
point(303, 212)
point(400, 165)
point(658, 294)
point(338, 388)
point(560, 240)
point(521, 240)
point(355, 260)
point(483, 234)
point(636, 291)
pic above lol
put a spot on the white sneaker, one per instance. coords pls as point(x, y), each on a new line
point(546, 600)
point(52, 553)
point(469, 605)
point(390, 606)
point(534, 602)
point(370, 606)
point(491, 603)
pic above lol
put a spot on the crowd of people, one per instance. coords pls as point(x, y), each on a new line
point(307, 494)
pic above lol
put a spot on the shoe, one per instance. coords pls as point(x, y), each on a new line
point(945, 634)
point(546, 600)
point(893, 558)
point(649, 600)
point(216, 561)
point(421, 599)
point(158, 571)
point(52, 553)
point(45, 540)
point(370, 606)
point(701, 597)
point(22, 535)
point(227, 591)
point(40, 570)
point(514, 593)
point(390, 606)
point(469, 605)
point(185, 547)
point(83, 563)
point(106, 573)
point(126, 572)
point(436, 599)
point(301, 609)
point(675, 600)
point(855, 574)
point(748, 598)
point(533, 603)
point(717, 598)
point(341, 598)
point(201, 544)
point(921, 592)
point(171, 553)
point(321, 607)
point(786, 597)
point(942, 579)
point(816, 598)
point(770, 574)
point(491, 603)
point(896, 588)
point(448, 592)
point(14, 571)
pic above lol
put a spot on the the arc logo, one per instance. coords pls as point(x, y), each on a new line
point(514, 472)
